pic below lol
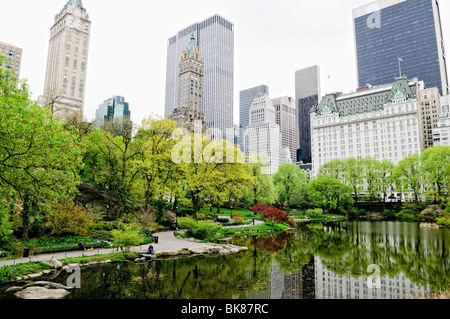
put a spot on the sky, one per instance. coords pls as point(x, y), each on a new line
point(128, 46)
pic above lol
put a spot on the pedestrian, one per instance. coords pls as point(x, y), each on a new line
point(253, 222)
point(81, 244)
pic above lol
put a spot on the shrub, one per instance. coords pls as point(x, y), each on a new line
point(68, 218)
point(274, 215)
point(238, 218)
point(314, 212)
point(203, 230)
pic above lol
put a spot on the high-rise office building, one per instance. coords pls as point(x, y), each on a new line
point(65, 79)
point(13, 58)
point(189, 113)
point(286, 118)
point(307, 95)
point(246, 98)
point(400, 36)
point(215, 40)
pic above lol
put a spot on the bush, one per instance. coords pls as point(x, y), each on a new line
point(314, 212)
point(9, 273)
point(203, 230)
point(444, 220)
point(238, 218)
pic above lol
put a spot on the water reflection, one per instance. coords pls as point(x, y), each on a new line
point(329, 261)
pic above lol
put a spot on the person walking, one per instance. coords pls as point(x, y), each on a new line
point(81, 244)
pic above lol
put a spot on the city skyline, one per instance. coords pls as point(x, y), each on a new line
point(113, 70)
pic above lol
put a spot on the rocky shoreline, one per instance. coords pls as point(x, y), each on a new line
point(49, 290)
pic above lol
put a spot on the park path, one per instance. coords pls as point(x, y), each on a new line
point(166, 242)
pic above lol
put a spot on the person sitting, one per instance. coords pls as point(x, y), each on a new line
point(150, 250)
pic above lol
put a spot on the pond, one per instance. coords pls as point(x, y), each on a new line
point(350, 260)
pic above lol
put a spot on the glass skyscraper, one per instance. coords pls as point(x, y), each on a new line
point(400, 36)
point(215, 40)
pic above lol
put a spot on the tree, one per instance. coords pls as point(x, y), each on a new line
point(333, 169)
point(155, 166)
point(39, 158)
point(408, 175)
point(385, 180)
point(207, 166)
point(435, 169)
point(330, 194)
point(274, 215)
point(352, 174)
point(128, 235)
point(371, 174)
point(287, 180)
point(261, 189)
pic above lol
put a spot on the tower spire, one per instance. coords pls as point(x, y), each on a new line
point(74, 3)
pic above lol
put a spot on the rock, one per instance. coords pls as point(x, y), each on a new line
point(48, 285)
point(56, 264)
point(13, 290)
point(428, 225)
point(41, 293)
point(35, 275)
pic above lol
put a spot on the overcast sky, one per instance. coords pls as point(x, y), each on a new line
point(273, 39)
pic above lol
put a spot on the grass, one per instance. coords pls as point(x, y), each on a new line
point(11, 272)
point(115, 257)
point(259, 230)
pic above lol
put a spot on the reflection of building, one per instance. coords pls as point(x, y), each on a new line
point(407, 29)
point(331, 286)
point(190, 95)
point(65, 79)
point(282, 286)
point(379, 122)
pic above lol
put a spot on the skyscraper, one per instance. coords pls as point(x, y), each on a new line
point(286, 118)
point(189, 113)
point(400, 36)
point(215, 40)
point(262, 136)
point(307, 95)
point(246, 98)
point(65, 79)
point(13, 58)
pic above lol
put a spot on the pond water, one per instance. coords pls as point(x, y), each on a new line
point(350, 260)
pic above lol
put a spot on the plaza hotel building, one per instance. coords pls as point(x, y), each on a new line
point(382, 122)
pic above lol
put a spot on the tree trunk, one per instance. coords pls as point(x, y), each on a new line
point(25, 214)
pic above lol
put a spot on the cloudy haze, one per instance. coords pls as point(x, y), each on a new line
point(128, 44)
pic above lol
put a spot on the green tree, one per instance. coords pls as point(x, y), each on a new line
point(435, 168)
point(261, 189)
point(385, 181)
point(352, 174)
point(39, 158)
point(408, 176)
point(287, 180)
point(128, 235)
point(333, 169)
point(330, 194)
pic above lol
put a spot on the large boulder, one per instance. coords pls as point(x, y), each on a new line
point(41, 293)
point(56, 264)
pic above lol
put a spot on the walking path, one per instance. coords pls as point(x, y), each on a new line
point(166, 241)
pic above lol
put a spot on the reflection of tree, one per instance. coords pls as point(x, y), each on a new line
point(351, 251)
point(296, 254)
point(272, 244)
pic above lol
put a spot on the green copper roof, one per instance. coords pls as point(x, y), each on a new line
point(74, 3)
point(191, 46)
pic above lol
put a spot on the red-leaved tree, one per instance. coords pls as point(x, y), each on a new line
point(259, 208)
point(274, 215)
